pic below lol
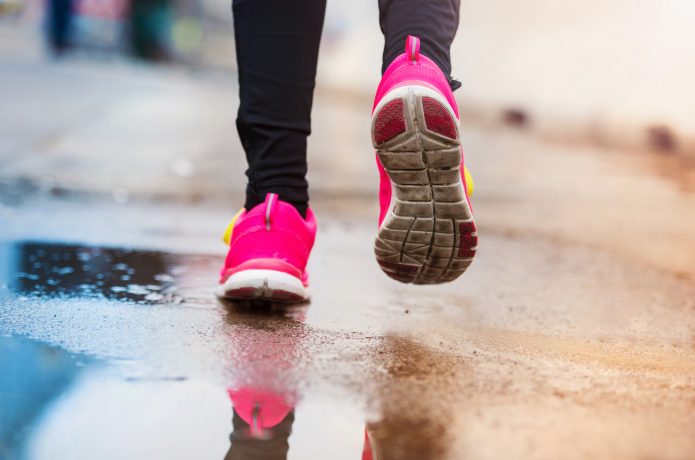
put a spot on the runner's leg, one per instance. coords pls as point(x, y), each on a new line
point(277, 44)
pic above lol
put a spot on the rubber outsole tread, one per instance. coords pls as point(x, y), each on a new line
point(429, 236)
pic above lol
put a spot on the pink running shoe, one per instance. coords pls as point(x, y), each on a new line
point(426, 230)
point(268, 251)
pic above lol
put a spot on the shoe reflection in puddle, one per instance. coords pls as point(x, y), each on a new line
point(262, 425)
point(269, 357)
point(266, 340)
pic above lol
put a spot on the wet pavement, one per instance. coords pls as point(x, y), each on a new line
point(544, 350)
point(572, 335)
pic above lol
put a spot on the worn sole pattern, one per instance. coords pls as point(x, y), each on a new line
point(429, 235)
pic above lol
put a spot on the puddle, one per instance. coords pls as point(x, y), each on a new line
point(98, 373)
point(223, 381)
point(66, 270)
point(33, 376)
point(56, 404)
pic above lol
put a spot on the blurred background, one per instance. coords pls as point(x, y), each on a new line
point(571, 336)
point(155, 80)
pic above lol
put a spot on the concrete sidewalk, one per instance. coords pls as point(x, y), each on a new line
point(135, 130)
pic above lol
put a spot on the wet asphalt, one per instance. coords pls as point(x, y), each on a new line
point(113, 345)
point(572, 335)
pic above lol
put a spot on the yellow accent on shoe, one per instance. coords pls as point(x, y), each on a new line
point(227, 237)
point(469, 181)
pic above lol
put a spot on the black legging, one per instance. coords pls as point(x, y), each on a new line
point(277, 44)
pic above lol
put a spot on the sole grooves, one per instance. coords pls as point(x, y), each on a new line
point(429, 236)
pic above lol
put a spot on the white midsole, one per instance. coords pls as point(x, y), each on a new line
point(264, 281)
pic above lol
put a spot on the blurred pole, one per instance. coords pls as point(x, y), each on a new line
point(59, 25)
point(150, 26)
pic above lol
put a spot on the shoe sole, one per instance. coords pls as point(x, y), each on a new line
point(429, 235)
point(264, 285)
